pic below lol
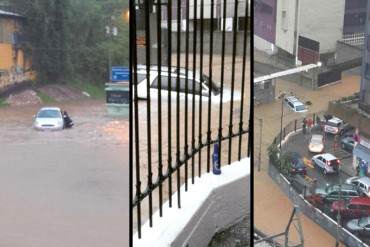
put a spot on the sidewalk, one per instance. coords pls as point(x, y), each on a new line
point(271, 207)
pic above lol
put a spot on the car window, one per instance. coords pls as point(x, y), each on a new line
point(300, 108)
point(334, 193)
point(290, 104)
point(352, 206)
point(140, 77)
point(364, 207)
point(49, 114)
point(355, 183)
point(353, 193)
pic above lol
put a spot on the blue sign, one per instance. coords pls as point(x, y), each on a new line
point(119, 73)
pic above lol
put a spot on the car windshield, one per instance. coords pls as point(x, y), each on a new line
point(300, 108)
point(333, 124)
point(363, 221)
point(298, 163)
point(316, 140)
point(49, 114)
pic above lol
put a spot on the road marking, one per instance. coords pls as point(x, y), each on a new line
point(308, 162)
point(309, 179)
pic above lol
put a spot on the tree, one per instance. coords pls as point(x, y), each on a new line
point(66, 39)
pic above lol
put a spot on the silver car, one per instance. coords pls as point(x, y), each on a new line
point(49, 118)
point(359, 226)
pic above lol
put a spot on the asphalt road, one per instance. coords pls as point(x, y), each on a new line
point(299, 143)
point(65, 188)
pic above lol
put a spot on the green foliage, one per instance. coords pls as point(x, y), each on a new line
point(66, 38)
point(273, 152)
point(96, 91)
point(285, 164)
point(45, 98)
point(3, 102)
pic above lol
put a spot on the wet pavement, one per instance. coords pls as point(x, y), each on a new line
point(237, 235)
point(64, 188)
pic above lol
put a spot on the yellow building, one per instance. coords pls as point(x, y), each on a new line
point(14, 67)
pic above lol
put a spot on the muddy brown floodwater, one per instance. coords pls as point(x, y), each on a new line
point(64, 188)
point(215, 111)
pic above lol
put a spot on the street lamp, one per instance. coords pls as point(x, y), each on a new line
point(282, 96)
point(111, 31)
point(260, 147)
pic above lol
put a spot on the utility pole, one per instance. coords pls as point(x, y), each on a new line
point(111, 32)
point(260, 147)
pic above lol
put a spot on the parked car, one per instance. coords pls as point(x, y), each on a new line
point(316, 144)
point(336, 126)
point(196, 87)
point(359, 227)
point(326, 162)
point(296, 164)
point(336, 192)
point(49, 118)
point(354, 208)
point(351, 179)
point(348, 143)
point(295, 104)
point(363, 183)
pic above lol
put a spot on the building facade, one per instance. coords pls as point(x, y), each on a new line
point(13, 63)
point(302, 29)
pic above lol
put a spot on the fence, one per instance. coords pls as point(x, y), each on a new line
point(184, 113)
point(306, 207)
point(354, 38)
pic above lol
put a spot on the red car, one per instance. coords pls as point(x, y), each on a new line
point(354, 208)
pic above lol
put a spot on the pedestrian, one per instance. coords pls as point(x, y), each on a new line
point(304, 126)
point(309, 125)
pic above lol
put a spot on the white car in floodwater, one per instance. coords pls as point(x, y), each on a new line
point(200, 88)
point(49, 118)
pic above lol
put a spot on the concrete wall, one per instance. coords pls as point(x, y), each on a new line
point(285, 25)
point(211, 204)
point(322, 22)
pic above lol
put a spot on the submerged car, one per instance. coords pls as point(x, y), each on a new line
point(316, 144)
point(49, 118)
point(196, 84)
point(295, 104)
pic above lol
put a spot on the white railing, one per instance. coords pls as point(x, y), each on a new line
point(354, 39)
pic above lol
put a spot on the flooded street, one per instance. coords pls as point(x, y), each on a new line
point(200, 130)
point(64, 188)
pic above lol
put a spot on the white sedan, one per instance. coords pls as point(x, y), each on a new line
point(316, 144)
point(196, 87)
point(49, 118)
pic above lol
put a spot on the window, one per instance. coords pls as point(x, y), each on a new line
point(291, 105)
point(368, 43)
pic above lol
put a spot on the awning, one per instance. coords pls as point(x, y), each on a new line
point(362, 152)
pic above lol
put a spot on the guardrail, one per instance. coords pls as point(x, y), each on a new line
point(166, 148)
point(315, 214)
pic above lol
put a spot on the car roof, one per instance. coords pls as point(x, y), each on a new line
point(294, 100)
point(360, 200)
point(318, 137)
point(344, 186)
point(50, 108)
point(335, 120)
point(328, 156)
point(364, 180)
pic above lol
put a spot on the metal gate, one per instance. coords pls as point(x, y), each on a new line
point(182, 120)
